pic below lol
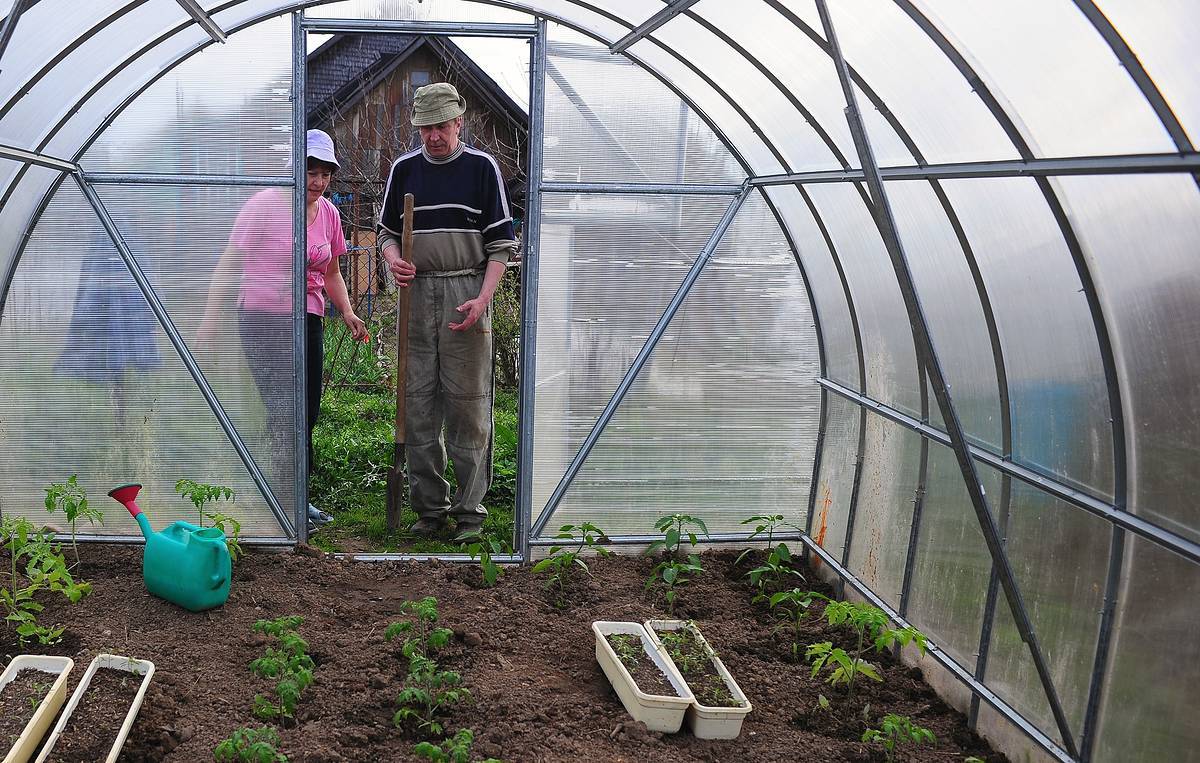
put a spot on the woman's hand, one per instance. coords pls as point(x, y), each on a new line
point(358, 329)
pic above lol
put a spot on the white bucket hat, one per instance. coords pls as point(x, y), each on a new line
point(320, 146)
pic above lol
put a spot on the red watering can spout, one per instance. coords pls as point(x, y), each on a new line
point(126, 495)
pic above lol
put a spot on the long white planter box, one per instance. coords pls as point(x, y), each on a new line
point(143, 668)
point(43, 716)
point(658, 711)
point(704, 721)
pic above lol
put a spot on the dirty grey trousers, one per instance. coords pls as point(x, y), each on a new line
point(450, 388)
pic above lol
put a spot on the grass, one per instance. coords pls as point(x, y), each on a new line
point(353, 444)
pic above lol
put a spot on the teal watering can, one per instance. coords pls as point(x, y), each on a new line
point(184, 564)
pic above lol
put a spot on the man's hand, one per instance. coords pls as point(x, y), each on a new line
point(472, 309)
point(358, 329)
point(403, 272)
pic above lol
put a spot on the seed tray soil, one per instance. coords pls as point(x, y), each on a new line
point(19, 700)
point(93, 726)
point(538, 693)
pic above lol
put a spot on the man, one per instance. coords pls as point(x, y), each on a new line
point(462, 238)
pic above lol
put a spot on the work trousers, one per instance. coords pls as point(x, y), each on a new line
point(449, 398)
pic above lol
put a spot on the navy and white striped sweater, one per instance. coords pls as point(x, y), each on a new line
point(461, 217)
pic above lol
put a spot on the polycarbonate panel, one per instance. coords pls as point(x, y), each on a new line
point(1062, 80)
point(1165, 36)
point(1142, 233)
point(952, 565)
point(835, 485)
point(1055, 377)
point(770, 110)
point(203, 299)
point(745, 138)
point(418, 10)
point(594, 132)
point(225, 111)
point(841, 356)
point(44, 30)
point(1059, 556)
point(883, 519)
point(952, 308)
point(594, 252)
point(687, 438)
point(93, 387)
point(1150, 697)
point(887, 337)
point(35, 107)
point(921, 87)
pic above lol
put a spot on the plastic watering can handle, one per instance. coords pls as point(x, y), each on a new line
point(218, 578)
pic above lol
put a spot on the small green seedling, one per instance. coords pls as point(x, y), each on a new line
point(422, 635)
point(248, 745)
point(765, 524)
point(483, 547)
point(628, 648)
point(44, 568)
point(428, 690)
point(793, 605)
point(71, 499)
point(200, 493)
point(895, 730)
point(289, 665)
point(562, 561)
point(673, 571)
point(870, 626)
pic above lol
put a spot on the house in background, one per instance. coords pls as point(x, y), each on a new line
point(359, 89)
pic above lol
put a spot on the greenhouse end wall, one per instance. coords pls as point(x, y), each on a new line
point(1037, 159)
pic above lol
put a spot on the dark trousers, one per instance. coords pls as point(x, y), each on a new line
point(266, 340)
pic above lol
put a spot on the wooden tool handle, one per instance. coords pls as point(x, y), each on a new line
point(403, 300)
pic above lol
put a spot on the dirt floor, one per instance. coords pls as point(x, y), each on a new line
point(538, 693)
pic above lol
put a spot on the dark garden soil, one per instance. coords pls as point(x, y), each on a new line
point(643, 670)
point(19, 701)
point(96, 720)
point(538, 693)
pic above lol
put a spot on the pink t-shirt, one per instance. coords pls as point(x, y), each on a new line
point(263, 231)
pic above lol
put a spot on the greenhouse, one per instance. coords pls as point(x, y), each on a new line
point(905, 282)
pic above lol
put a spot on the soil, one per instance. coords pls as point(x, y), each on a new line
point(19, 701)
point(97, 719)
point(538, 693)
point(645, 672)
point(697, 669)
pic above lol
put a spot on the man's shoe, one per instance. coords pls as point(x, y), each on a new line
point(466, 531)
point(426, 527)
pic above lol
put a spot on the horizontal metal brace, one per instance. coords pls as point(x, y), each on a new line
point(456, 558)
point(113, 178)
point(638, 540)
point(678, 189)
point(454, 28)
point(136, 540)
point(1165, 538)
point(41, 160)
point(1084, 165)
point(943, 659)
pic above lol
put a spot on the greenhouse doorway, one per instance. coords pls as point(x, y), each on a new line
point(359, 78)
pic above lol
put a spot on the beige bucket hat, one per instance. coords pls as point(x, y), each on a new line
point(437, 103)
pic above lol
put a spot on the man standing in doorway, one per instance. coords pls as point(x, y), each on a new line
point(462, 238)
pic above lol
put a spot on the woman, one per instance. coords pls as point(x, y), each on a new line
point(260, 247)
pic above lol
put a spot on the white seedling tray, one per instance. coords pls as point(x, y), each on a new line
point(707, 722)
point(35, 729)
point(143, 668)
point(658, 711)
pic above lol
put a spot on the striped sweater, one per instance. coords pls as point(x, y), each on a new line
point(461, 217)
